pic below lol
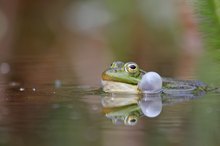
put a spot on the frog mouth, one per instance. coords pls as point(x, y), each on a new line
point(118, 87)
point(121, 79)
point(106, 77)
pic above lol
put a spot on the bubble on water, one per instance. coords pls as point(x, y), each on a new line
point(4, 68)
point(21, 89)
point(57, 83)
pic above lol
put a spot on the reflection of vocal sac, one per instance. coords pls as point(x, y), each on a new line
point(151, 105)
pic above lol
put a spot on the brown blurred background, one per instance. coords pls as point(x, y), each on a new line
point(74, 41)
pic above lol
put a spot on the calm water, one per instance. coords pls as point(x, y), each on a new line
point(64, 113)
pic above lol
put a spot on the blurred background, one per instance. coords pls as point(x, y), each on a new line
point(74, 41)
point(71, 42)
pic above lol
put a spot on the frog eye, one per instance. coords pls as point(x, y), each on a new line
point(131, 68)
point(131, 120)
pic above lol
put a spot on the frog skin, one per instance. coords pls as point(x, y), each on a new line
point(123, 77)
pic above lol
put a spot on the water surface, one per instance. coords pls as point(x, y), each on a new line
point(59, 113)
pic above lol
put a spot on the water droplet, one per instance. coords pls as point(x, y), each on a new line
point(57, 83)
point(4, 68)
point(21, 89)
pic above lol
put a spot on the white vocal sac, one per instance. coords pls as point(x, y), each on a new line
point(151, 82)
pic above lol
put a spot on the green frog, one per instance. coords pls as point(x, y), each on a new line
point(124, 77)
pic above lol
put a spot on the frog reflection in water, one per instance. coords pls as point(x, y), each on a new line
point(124, 77)
point(127, 109)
